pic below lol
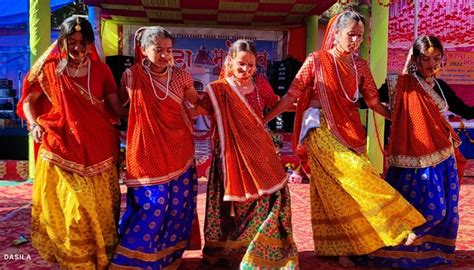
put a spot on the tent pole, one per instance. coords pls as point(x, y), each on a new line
point(39, 39)
point(94, 18)
point(378, 66)
point(415, 24)
point(311, 33)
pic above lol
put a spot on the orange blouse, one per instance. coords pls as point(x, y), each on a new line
point(251, 167)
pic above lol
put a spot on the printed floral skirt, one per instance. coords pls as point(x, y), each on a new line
point(248, 234)
point(74, 218)
point(353, 210)
point(434, 191)
point(156, 225)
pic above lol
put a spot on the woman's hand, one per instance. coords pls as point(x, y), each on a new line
point(116, 105)
point(37, 133)
point(381, 109)
point(285, 102)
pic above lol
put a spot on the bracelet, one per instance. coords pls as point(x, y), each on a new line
point(33, 125)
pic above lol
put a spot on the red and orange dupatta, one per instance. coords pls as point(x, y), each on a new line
point(79, 133)
point(251, 166)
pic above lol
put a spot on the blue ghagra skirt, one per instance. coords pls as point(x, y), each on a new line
point(434, 191)
point(156, 225)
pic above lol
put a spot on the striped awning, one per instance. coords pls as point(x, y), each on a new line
point(212, 12)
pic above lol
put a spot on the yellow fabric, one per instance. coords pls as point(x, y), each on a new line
point(110, 38)
point(353, 210)
point(74, 217)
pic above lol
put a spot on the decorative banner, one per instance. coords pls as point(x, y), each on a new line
point(204, 57)
point(396, 60)
point(451, 21)
point(459, 68)
point(201, 51)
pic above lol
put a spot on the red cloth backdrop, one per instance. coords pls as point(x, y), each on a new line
point(451, 21)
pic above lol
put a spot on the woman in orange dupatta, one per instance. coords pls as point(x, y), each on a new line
point(161, 175)
point(76, 196)
point(248, 211)
point(353, 210)
point(422, 160)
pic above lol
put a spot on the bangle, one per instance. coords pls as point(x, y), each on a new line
point(33, 125)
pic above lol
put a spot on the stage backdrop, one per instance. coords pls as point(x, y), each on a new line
point(452, 22)
point(200, 50)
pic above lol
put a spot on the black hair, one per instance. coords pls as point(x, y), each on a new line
point(423, 43)
point(70, 26)
point(77, 24)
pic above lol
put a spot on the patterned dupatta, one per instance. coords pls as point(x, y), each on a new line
point(417, 110)
point(251, 167)
point(342, 116)
point(79, 133)
point(160, 143)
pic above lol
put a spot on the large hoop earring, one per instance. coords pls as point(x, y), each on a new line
point(413, 67)
point(146, 63)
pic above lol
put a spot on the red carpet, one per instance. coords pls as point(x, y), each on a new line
point(15, 219)
point(14, 170)
point(469, 171)
point(15, 208)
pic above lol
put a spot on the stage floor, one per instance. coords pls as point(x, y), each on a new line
point(15, 209)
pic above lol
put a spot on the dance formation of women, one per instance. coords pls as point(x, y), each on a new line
point(71, 103)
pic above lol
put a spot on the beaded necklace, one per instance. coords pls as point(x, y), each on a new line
point(147, 69)
point(356, 94)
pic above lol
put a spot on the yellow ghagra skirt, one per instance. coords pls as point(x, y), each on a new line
point(353, 210)
point(74, 218)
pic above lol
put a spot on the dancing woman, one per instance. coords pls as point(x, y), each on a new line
point(248, 211)
point(353, 210)
point(422, 162)
point(161, 175)
point(76, 197)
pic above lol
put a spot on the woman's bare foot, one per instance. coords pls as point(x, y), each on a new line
point(344, 261)
point(410, 239)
